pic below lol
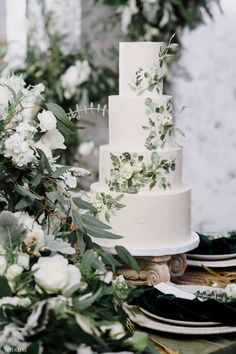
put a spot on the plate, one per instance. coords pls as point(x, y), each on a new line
point(138, 317)
point(212, 257)
point(177, 322)
point(213, 264)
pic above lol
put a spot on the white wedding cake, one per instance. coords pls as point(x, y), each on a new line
point(140, 190)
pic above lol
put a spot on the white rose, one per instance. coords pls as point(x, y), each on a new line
point(53, 274)
point(73, 279)
point(86, 148)
point(51, 140)
point(3, 265)
point(34, 238)
point(126, 171)
point(47, 121)
point(13, 271)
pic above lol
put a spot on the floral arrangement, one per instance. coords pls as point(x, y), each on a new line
point(53, 276)
point(155, 20)
point(129, 173)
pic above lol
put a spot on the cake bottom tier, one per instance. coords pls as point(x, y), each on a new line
point(149, 220)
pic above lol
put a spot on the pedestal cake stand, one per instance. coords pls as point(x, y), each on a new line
point(158, 265)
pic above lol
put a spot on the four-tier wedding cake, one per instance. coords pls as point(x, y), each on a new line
point(141, 168)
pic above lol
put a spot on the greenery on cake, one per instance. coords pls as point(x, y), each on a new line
point(151, 80)
point(106, 204)
point(130, 173)
point(160, 123)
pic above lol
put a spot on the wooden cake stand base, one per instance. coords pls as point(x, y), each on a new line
point(154, 270)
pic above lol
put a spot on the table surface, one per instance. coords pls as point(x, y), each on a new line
point(180, 344)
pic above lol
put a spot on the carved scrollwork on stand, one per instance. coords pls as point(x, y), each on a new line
point(177, 265)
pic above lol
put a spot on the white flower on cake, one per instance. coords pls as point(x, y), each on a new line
point(3, 265)
point(47, 121)
point(54, 274)
point(126, 171)
point(74, 76)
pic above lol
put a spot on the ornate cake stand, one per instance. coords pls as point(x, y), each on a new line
point(159, 265)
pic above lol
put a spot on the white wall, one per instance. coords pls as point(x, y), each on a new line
point(209, 91)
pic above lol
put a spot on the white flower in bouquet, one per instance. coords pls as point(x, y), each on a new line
point(23, 260)
point(33, 94)
point(4, 101)
point(79, 171)
point(51, 140)
point(86, 148)
point(16, 83)
point(69, 179)
point(15, 301)
point(54, 274)
point(35, 234)
point(47, 121)
point(3, 265)
point(126, 171)
point(84, 349)
point(13, 271)
point(107, 277)
point(74, 76)
point(19, 149)
point(116, 330)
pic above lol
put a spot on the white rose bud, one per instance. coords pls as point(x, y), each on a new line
point(3, 265)
point(13, 271)
point(47, 121)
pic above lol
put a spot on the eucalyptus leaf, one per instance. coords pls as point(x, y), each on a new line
point(102, 233)
point(89, 220)
point(77, 220)
point(23, 203)
point(127, 258)
point(82, 204)
point(26, 193)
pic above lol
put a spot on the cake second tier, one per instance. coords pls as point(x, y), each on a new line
point(138, 122)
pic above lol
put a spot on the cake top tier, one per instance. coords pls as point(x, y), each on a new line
point(140, 68)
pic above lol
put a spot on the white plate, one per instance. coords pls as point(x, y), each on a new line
point(213, 264)
point(178, 322)
point(212, 257)
point(142, 320)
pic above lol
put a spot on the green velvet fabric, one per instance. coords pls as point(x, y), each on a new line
point(169, 306)
point(224, 245)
